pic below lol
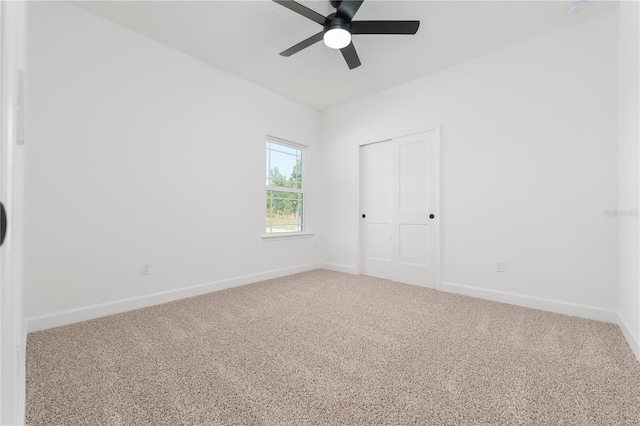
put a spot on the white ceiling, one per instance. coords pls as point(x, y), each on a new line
point(246, 37)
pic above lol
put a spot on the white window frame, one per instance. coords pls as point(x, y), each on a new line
point(274, 236)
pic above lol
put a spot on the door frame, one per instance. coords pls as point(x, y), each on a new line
point(12, 325)
point(436, 128)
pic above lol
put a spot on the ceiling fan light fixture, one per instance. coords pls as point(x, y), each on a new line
point(338, 27)
point(337, 37)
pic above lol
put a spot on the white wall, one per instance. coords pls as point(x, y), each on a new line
point(529, 165)
point(139, 153)
point(629, 164)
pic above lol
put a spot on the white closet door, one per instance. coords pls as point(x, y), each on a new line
point(399, 201)
point(376, 218)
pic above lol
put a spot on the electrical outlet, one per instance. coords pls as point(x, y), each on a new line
point(146, 269)
point(499, 265)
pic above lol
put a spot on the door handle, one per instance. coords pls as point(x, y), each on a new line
point(431, 216)
point(3, 223)
point(364, 215)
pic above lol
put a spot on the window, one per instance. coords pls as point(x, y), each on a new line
point(285, 187)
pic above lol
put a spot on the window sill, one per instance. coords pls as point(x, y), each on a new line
point(278, 236)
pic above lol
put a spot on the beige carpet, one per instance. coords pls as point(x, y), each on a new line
point(329, 348)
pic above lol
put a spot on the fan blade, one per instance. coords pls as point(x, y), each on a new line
point(348, 8)
point(302, 10)
point(350, 55)
point(303, 44)
point(384, 27)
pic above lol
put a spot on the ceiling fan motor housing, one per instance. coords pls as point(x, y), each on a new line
point(334, 22)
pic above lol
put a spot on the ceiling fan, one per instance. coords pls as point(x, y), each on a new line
point(339, 27)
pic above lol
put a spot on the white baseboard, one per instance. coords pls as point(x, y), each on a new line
point(633, 343)
point(95, 311)
point(103, 309)
point(22, 400)
point(550, 305)
point(339, 268)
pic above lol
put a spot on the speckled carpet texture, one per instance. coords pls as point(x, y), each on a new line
point(323, 347)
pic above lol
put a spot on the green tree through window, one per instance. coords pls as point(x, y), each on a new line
point(285, 191)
